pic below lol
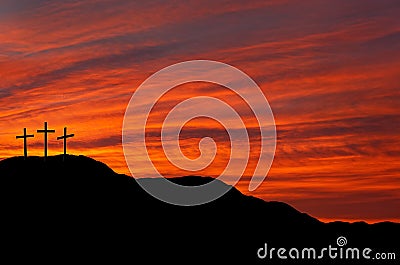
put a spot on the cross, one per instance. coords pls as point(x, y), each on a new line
point(45, 131)
point(25, 136)
point(65, 137)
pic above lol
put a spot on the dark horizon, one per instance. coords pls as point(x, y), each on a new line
point(188, 180)
point(80, 208)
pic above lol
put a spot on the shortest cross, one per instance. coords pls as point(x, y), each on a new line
point(25, 136)
point(65, 137)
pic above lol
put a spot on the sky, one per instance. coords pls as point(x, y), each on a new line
point(329, 69)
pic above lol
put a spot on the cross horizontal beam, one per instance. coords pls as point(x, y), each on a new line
point(65, 136)
point(25, 136)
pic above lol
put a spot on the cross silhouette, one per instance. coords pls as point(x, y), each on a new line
point(45, 131)
point(25, 136)
point(65, 137)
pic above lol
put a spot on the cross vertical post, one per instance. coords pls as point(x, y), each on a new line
point(45, 131)
point(25, 136)
point(65, 137)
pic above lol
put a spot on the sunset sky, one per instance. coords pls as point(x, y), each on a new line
point(329, 69)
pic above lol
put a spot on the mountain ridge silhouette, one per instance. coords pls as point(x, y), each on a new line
point(85, 201)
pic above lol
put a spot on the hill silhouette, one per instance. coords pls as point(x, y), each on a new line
point(81, 210)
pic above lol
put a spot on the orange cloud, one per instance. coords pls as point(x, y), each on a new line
point(329, 70)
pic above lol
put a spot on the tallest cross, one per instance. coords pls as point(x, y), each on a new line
point(45, 131)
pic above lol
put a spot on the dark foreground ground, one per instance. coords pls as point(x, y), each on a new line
point(81, 211)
